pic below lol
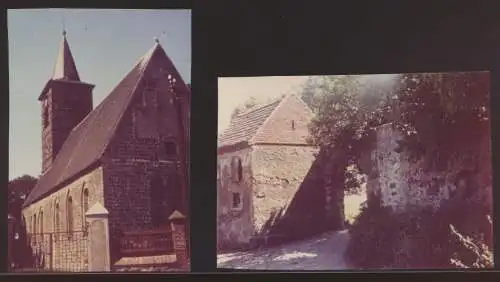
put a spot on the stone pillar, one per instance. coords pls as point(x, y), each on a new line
point(179, 238)
point(11, 237)
point(98, 239)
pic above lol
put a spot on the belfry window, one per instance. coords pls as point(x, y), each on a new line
point(45, 117)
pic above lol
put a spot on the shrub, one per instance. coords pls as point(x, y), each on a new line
point(419, 238)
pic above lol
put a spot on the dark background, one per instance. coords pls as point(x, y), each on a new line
point(261, 38)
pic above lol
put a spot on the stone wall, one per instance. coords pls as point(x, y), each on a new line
point(67, 252)
point(278, 172)
point(234, 225)
point(400, 182)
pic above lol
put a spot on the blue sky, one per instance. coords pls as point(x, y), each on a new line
point(105, 44)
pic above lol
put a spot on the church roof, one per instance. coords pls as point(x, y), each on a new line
point(245, 126)
point(88, 141)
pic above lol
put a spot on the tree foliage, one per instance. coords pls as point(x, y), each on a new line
point(347, 110)
point(250, 103)
point(18, 190)
point(443, 114)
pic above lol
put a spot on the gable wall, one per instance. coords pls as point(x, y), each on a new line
point(136, 153)
point(278, 128)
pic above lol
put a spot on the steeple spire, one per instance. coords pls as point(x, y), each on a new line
point(65, 68)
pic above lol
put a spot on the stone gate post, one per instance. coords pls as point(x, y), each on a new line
point(178, 226)
point(98, 239)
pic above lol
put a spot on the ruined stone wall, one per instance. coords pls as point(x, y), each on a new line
point(278, 173)
point(234, 225)
point(66, 252)
point(400, 182)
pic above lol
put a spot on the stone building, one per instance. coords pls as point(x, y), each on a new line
point(270, 184)
point(128, 153)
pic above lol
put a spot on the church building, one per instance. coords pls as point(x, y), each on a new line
point(129, 153)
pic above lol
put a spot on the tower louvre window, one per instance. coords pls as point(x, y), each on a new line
point(45, 114)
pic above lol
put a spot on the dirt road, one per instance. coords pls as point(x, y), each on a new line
point(324, 252)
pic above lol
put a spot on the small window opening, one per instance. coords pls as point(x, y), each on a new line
point(237, 201)
point(56, 218)
point(69, 217)
point(293, 125)
point(170, 148)
point(237, 169)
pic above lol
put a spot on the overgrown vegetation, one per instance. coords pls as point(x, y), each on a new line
point(444, 119)
point(19, 188)
point(417, 238)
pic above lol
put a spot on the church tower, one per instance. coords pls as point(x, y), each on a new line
point(65, 102)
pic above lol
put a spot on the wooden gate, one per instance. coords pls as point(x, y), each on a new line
point(147, 242)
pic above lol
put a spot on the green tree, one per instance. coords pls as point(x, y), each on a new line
point(251, 102)
point(442, 114)
point(347, 109)
point(18, 189)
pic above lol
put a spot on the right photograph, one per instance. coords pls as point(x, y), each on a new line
point(355, 172)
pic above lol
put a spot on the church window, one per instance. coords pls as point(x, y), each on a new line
point(237, 202)
point(170, 148)
point(293, 125)
point(236, 169)
point(56, 218)
point(69, 216)
point(34, 224)
point(85, 205)
point(41, 222)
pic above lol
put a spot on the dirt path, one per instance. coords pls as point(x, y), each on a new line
point(324, 252)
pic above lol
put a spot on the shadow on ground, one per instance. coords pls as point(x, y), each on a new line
point(323, 252)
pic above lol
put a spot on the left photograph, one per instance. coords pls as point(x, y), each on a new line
point(99, 140)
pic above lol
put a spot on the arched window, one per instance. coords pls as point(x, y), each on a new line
point(41, 222)
point(85, 205)
point(56, 218)
point(69, 216)
point(236, 169)
point(34, 224)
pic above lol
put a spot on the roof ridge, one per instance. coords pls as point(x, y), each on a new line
point(259, 106)
point(141, 59)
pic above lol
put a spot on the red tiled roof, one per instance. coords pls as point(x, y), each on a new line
point(88, 141)
point(243, 127)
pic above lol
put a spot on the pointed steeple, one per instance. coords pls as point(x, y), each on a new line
point(65, 68)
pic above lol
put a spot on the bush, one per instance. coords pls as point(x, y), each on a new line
point(418, 239)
